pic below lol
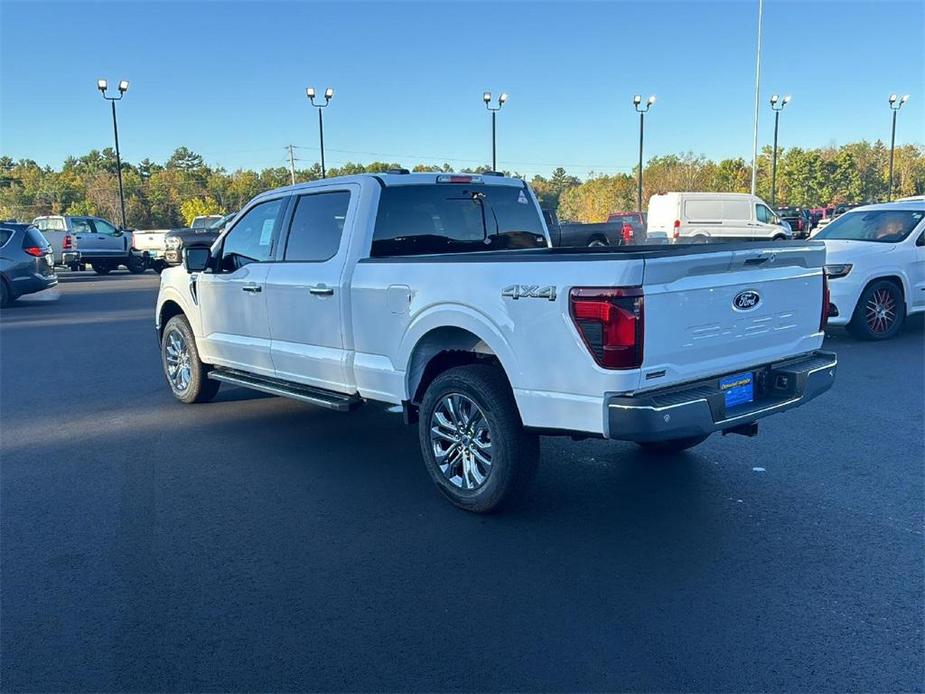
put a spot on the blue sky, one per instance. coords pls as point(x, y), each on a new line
point(227, 79)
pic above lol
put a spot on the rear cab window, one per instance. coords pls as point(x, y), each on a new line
point(51, 224)
point(455, 218)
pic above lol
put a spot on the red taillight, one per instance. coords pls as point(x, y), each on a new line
point(68, 243)
point(677, 228)
point(799, 225)
point(611, 322)
point(627, 233)
point(35, 250)
point(825, 303)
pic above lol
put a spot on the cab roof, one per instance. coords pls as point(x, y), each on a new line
point(404, 179)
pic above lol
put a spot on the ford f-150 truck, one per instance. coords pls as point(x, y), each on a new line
point(440, 293)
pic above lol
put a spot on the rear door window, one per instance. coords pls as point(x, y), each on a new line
point(5, 235)
point(317, 226)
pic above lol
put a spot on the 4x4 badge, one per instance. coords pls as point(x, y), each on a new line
point(529, 291)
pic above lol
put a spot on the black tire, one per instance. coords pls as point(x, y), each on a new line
point(779, 237)
point(160, 266)
point(75, 267)
point(199, 388)
point(101, 268)
point(514, 451)
point(136, 264)
point(672, 445)
point(6, 296)
point(867, 323)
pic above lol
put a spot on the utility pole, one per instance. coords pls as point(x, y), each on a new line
point(291, 165)
point(777, 105)
point(486, 97)
point(328, 95)
point(757, 92)
point(102, 85)
point(895, 105)
point(642, 110)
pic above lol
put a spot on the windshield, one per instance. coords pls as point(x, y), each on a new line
point(454, 218)
point(881, 226)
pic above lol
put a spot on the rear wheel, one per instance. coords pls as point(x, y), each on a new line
point(101, 268)
point(186, 375)
point(880, 312)
point(474, 445)
point(136, 264)
point(672, 445)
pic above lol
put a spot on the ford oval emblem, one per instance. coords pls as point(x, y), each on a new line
point(747, 300)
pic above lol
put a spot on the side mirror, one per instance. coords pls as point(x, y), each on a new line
point(920, 241)
point(196, 259)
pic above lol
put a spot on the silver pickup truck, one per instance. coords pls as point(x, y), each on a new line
point(78, 240)
point(154, 246)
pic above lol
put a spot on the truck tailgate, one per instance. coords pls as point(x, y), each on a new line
point(153, 240)
point(721, 311)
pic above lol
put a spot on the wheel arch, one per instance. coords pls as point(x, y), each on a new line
point(168, 309)
point(443, 348)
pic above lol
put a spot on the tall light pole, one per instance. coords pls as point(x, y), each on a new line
point(637, 103)
point(123, 87)
point(895, 105)
point(328, 95)
point(757, 92)
point(777, 105)
point(486, 97)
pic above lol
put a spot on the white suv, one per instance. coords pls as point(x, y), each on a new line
point(875, 262)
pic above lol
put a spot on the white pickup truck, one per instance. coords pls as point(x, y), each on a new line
point(440, 293)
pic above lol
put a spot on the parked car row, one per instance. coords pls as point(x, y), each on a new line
point(78, 241)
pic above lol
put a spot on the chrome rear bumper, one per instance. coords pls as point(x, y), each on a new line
point(699, 408)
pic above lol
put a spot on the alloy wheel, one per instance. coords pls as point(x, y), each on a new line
point(880, 311)
point(179, 360)
point(461, 439)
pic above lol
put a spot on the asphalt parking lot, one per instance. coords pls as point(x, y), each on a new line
point(257, 543)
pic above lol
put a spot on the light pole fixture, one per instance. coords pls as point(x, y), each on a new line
point(328, 95)
point(896, 103)
point(486, 97)
point(102, 85)
point(642, 109)
point(777, 105)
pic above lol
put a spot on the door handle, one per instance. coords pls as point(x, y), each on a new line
point(321, 290)
point(252, 288)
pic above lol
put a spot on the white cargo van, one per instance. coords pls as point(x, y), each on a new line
point(704, 217)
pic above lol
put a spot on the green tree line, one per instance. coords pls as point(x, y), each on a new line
point(171, 193)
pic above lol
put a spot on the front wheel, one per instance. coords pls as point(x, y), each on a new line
point(186, 375)
point(474, 445)
point(136, 264)
point(6, 296)
point(880, 312)
point(672, 445)
point(101, 268)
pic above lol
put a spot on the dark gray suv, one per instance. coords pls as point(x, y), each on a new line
point(26, 262)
